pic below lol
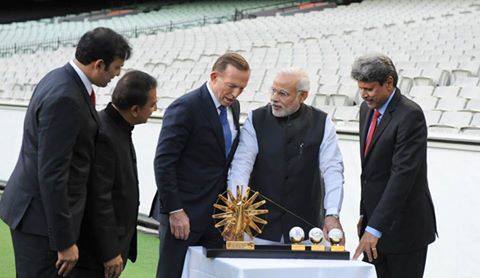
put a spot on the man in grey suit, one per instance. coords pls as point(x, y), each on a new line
point(44, 200)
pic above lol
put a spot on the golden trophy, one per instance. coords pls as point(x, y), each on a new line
point(316, 237)
point(336, 236)
point(238, 216)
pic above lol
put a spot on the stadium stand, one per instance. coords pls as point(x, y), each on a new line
point(71, 27)
point(434, 45)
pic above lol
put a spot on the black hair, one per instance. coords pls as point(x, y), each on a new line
point(102, 43)
point(133, 89)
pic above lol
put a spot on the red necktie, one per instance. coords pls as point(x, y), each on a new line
point(371, 131)
point(92, 98)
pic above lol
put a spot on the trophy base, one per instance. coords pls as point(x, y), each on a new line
point(318, 247)
point(297, 247)
point(276, 252)
point(337, 248)
point(240, 245)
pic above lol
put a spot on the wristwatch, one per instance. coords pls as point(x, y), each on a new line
point(333, 215)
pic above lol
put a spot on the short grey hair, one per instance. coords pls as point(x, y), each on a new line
point(303, 83)
point(374, 67)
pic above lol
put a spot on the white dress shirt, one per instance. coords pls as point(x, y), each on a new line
point(217, 103)
point(330, 163)
point(83, 77)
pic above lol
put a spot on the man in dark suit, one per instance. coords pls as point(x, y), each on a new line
point(198, 139)
point(397, 219)
point(44, 200)
point(109, 234)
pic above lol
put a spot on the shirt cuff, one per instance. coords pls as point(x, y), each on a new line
point(176, 211)
point(332, 211)
point(373, 231)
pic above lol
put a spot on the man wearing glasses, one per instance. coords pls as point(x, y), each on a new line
point(287, 150)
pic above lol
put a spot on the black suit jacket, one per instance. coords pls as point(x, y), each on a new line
point(395, 196)
point(109, 226)
point(190, 162)
point(46, 192)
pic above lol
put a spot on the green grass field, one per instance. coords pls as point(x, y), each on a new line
point(145, 266)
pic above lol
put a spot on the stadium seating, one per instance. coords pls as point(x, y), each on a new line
point(73, 26)
point(434, 45)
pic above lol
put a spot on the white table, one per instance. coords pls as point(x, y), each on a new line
point(197, 265)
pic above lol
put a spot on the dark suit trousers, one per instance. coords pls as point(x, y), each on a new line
point(81, 272)
point(33, 257)
point(173, 251)
point(403, 265)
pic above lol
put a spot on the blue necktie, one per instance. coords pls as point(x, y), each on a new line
point(227, 133)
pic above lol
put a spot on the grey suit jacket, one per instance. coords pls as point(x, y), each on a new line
point(46, 192)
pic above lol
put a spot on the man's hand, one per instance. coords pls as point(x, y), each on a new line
point(114, 267)
point(359, 226)
point(179, 225)
point(332, 222)
point(367, 244)
point(67, 259)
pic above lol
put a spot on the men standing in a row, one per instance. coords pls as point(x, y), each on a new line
point(397, 219)
point(109, 229)
point(286, 149)
point(43, 203)
point(196, 144)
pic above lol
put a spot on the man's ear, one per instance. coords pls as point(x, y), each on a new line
point(389, 83)
point(134, 110)
point(99, 65)
point(303, 96)
point(213, 76)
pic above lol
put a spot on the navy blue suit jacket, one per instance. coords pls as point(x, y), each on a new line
point(190, 162)
point(46, 193)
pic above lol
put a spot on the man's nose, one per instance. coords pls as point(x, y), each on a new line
point(236, 92)
point(274, 97)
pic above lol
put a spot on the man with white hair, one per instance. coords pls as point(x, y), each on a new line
point(287, 150)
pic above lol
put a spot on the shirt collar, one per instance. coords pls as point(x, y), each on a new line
point(117, 118)
point(83, 77)
point(385, 105)
point(214, 98)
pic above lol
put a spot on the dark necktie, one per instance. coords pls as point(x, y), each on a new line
point(371, 131)
point(227, 133)
point(92, 98)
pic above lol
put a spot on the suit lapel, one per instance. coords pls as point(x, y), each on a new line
point(85, 94)
point(210, 112)
point(236, 115)
point(386, 118)
point(367, 114)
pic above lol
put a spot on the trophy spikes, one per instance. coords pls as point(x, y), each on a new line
point(239, 214)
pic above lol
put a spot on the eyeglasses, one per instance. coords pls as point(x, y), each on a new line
point(281, 93)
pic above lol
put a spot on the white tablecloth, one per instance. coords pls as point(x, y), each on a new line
point(197, 265)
